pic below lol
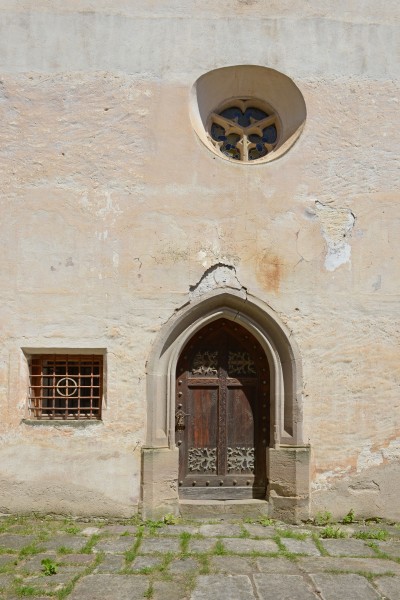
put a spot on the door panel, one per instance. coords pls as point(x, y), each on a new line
point(203, 417)
point(222, 416)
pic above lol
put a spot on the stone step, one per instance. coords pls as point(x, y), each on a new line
point(229, 509)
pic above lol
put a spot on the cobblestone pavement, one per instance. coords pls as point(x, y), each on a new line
point(99, 560)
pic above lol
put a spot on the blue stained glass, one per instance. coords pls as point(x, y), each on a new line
point(217, 132)
point(243, 119)
point(259, 147)
point(232, 113)
point(254, 138)
point(270, 134)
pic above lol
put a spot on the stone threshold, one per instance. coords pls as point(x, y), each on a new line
point(207, 509)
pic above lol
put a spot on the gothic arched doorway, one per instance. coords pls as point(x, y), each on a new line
point(222, 414)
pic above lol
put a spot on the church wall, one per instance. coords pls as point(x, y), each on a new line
point(112, 210)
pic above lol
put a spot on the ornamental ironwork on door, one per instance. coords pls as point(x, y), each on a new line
point(222, 414)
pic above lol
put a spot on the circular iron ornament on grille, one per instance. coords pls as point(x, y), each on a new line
point(66, 386)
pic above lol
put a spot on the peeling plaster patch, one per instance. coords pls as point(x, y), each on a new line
point(217, 276)
point(325, 481)
point(367, 459)
point(337, 224)
point(392, 451)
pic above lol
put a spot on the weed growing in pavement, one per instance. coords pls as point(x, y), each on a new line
point(30, 550)
point(65, 591)
point(378, 534)
point(88, 547)
point(319, 545)
point(171, 519)
point(24, 591)
point(65, 550)
point(367, 574)
point(288, 533)
point(323, 518)
point(149, 593)
point(49, 567)
point(185, 539)
point(219, 549)
point(331, 532)
point(349, 518)
point(72, 529)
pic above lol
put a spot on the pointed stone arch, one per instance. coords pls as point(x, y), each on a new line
point(160, 456)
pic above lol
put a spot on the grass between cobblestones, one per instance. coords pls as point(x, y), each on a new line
point(188, 564)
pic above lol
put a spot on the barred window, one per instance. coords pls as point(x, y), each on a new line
point(65, 387)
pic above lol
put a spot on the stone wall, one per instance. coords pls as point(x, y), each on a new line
point(113, 211)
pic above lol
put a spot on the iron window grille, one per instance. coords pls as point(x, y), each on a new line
point(66, 387)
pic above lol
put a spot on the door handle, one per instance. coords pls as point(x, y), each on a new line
point(180, 416)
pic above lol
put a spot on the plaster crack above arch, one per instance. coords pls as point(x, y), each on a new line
point(217, 276)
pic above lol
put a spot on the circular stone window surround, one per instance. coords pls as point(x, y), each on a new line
point(267, 89)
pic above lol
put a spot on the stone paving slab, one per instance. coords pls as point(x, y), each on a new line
point(277, 565)
point(245, 545)
point(202, 545)
point(174, 530)
point(347, 548)
point(5, 580)
point(259, 530)
point(75, 559)
point(168, 590)
point(389, 587)
point(352, 587)
point(285, 587)
point(73, 542)
point(328, 563)
point(15, 542)
point(301, 546)
point(89, 531)
point(6, 559)
point(110, 587)
point(112, 563)
point(391, 548)
point(146, 562)
point(223, 530)
point(234, 565)
point(230, 587)
point(34, 563)
point(115, 545)
point(119, 529)
point(183, 565)
point(54, 583)
point(148, 546)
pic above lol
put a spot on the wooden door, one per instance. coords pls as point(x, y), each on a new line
point(222, 414)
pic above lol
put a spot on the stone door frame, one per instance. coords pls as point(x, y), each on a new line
point(287, 457)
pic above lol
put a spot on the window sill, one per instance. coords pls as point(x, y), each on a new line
point(77, 424)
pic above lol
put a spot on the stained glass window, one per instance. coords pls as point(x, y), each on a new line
point(243, 131)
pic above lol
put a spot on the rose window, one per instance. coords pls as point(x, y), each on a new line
point(244, 132)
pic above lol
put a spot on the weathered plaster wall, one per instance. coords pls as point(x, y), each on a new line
point(112, 209)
